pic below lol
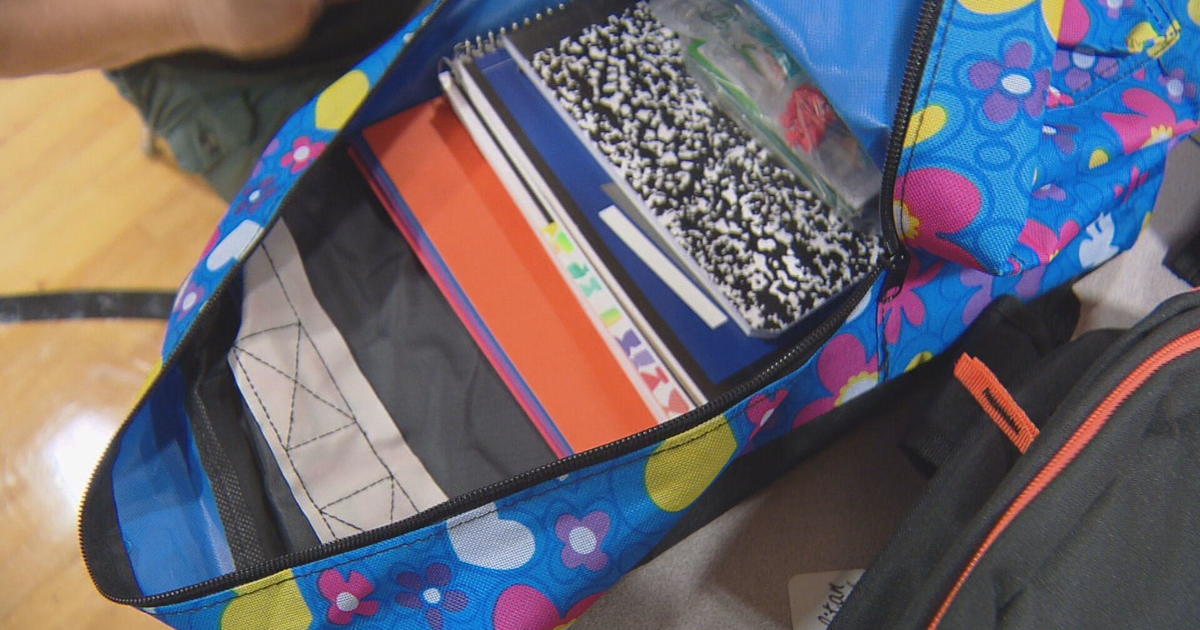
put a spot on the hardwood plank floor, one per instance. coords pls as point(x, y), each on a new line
point(80, 208)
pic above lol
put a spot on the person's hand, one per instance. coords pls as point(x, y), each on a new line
point(251, 28)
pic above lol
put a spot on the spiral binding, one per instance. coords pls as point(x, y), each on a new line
point(490, 41)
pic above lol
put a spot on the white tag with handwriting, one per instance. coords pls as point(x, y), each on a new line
point(817, 597)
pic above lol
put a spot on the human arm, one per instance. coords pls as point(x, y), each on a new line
point(39, 36)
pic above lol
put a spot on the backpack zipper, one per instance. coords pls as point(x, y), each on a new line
point(914, 70)
point(893, 268)
point(1079, 440)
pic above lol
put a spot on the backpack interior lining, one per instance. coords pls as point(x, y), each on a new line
point(432, 381)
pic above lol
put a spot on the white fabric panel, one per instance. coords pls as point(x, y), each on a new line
point(348, 466)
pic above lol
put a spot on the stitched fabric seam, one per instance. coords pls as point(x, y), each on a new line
point(356, 492)
point(263, 361)
point(350, 525)
point(1114, 83)
point(267, 330)
point(323, 435)
point(275, 430)
point(1000, 410)
point(301, 330)
point(296, 371)
point(362, 431)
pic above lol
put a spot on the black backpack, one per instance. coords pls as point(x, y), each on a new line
point(1095, 525)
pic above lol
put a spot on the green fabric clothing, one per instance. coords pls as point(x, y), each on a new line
point(218, 114)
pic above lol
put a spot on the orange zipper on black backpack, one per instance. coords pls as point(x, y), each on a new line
point(1078, 441)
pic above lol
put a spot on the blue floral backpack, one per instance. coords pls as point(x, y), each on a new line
point(1023, 142)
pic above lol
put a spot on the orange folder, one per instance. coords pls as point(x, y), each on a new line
point(497, 261)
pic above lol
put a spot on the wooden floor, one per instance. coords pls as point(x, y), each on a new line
point(80, 207)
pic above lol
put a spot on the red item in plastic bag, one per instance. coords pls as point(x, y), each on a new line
point(808, 116)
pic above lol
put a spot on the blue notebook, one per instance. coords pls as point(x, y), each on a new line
point(712, 349)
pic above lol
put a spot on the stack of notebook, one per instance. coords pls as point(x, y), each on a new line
point(618, 247)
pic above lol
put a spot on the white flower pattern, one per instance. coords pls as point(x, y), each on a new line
point(1098, 246)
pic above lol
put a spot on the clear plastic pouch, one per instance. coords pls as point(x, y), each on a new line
point(752, 76)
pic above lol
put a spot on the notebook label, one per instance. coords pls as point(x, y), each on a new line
point(817, 597)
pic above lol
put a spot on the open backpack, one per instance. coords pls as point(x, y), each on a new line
point(1023, 143)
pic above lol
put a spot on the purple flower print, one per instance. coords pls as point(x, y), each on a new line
point(1053, 192)
point(1027, 288)
point(346, 596)
point(1080, 68)
point(1031, 282)
point(254, 200)
point(1113, 7)
point(429, 593)
point(907, 305)
point(1063, 137)
point(1177, 85)
point(582, 539)
point(1012, 83)
point(982, 295)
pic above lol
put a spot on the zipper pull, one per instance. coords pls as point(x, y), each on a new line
point(897, 269)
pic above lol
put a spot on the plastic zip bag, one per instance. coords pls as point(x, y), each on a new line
point(736, 58)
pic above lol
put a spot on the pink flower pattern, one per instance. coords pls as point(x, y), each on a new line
point(347, 597)
point(933, 203)
point(523, 607)
point(1045, 242)
point(303, 152)
point(1056, 98)
point(760, 411)
point(1137, 177)
point(937, 208)
point(1074, 24)
point(845, 371)
point(1153, 122)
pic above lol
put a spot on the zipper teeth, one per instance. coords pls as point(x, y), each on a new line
point(915, 66)
point(913, 71)
point(1079, 440)
point(482, 496)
